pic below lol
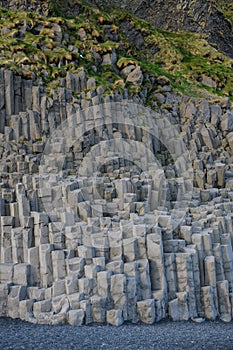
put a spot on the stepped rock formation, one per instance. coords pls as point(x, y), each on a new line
point(111, 211)
point(93, 232)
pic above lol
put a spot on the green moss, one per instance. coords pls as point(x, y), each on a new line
point(227, 8)
point(183, 58)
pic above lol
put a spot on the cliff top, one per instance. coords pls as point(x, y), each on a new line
point(106, 45)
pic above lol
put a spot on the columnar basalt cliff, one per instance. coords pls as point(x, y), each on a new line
point(110, 211)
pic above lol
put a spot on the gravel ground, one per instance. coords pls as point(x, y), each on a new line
point(165, 335)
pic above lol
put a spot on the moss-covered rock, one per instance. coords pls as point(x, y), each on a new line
point(105, 45)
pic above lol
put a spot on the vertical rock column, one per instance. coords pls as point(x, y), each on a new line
point(17, 245)
point(7, 223)
point(9, 93)
point(209, 292)
point(2, 102)
point(46, 271)
point(18, 93)
point(156, 260)
point(170, 270)
point(118, 293)
point(185, 280)
point(224, 301)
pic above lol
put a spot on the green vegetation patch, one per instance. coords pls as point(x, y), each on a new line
point(47, 48)
point(227, 8)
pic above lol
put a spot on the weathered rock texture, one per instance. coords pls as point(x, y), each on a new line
point(39, 6)
point(91, 230)
point(201, 16)
point(111, 212)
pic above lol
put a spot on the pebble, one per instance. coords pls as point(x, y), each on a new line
point(165, 335)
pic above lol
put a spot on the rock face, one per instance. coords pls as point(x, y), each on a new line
point(199, 16)
point(100, 221)
point(110, 211)
point(39, 6)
